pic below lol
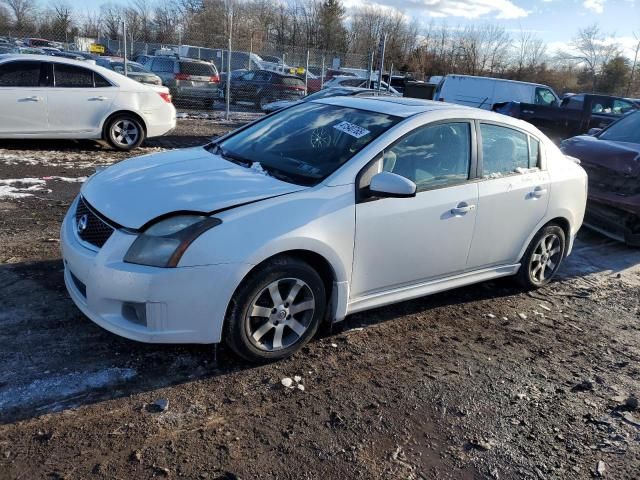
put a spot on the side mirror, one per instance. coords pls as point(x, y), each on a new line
point(594, 131)
point(387, 184)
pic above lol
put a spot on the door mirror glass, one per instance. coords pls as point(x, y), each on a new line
point(387, 184)
point(594, 131)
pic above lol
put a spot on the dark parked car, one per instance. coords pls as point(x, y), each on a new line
point(189, 80)
point(327, 92)
point(135, 71)
point(611, 158)
point(262, 87)
point(574, 115)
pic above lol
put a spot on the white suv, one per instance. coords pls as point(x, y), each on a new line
point(50, 97)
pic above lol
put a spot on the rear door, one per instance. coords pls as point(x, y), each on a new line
point(23, 97)
point(513, 195)
point(79, 100)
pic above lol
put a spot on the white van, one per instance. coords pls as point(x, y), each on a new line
point(485, 92)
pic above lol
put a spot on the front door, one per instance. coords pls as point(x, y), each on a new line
point(513, 196)
point(23, 98)
point(406, 241)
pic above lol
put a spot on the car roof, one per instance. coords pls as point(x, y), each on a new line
point(397, 106)
point(455, 75)
point(405, 107)
point(45, 58)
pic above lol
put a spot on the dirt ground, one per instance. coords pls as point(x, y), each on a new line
point(481, 382)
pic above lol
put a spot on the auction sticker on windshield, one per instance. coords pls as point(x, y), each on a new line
point(351, 129)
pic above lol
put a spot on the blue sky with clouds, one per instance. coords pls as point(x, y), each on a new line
point(555, 21)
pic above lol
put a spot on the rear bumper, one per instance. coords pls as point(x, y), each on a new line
point(160, 121)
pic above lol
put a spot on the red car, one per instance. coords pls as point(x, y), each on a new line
point(611, 158)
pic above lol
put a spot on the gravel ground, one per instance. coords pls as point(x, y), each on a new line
point(481, 382)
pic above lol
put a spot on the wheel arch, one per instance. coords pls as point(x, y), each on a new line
point(562, 221)
point(137, 116)
point(320, 264)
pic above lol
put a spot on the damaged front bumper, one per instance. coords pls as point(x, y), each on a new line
point(615, 216)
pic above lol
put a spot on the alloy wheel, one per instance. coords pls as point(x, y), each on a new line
point(125, 132)
point(546, 258)
point(280, 314)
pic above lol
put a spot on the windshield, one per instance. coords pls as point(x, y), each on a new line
point(627, 129)
point(305, 143)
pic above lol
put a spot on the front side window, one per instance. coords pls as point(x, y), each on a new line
point(20, 74)
point(305, 143)
point(627, 129)
point(432, 156)
point(504, 150)
point(544, 96)
point(70, 76)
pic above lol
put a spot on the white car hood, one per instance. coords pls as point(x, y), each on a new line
point(135, 191)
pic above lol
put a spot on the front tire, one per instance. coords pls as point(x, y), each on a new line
point(124, 132)
point(543, 257)
point(276, 310)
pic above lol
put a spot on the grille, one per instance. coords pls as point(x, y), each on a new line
point(97, 231)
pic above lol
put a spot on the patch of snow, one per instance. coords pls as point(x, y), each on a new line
point(58, 387)
point(256, 167)
point(21, 187)
point(67, 179)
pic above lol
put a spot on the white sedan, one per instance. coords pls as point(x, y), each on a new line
point(52, 97)
point(325, 209)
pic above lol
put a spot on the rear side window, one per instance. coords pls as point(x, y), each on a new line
point(504, 150)
point(20, 74)
point(70, 76)
point(100, 81)
point(197, 69)
point(293, 82)
point(162, 65)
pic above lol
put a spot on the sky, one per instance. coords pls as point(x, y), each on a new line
point(555, 21)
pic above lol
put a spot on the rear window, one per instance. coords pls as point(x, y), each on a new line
point(294, 82)
point(197, 69)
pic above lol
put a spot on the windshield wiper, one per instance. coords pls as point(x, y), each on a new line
point(288, 177)
point(216, 149)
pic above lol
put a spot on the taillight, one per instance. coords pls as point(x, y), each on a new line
point(214, 79)
point(165, 96)
point(183, 76)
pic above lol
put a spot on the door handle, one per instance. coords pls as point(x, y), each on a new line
point(98, 99)
point(538, 192)
point(34, 98)
point(462, 209)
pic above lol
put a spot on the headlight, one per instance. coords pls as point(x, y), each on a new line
point(164, 243)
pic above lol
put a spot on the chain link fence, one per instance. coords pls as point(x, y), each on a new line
point(227, 78)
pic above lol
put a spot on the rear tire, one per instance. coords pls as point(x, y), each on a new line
point(543, 257)
point(124, 132)
point(275, 311)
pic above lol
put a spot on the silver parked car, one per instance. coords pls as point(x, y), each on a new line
point(135, 71)
point(189, 80)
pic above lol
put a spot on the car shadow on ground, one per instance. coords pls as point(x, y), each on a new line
point(54, 358)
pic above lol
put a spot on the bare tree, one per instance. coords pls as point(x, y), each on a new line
point(594, 50)
point(111, 19)
point(529, 53)
point(23, 13)
point(634, 64)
